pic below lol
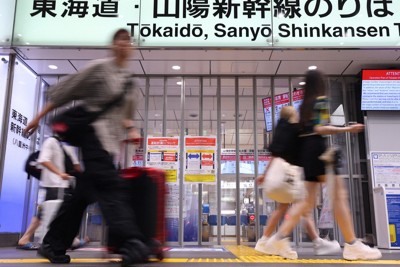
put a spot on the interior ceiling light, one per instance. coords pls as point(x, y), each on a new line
point(302, 83)
point(176, 67)
point(179, 83)
point(53, 67)
point(312, 67)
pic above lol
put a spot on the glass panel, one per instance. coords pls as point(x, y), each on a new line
point(137, 157)
point(210, 197)
point(3, 85)
point(172, 123)
point(190, 207)
point(265, 205)
point(228, 161)
point(246, 161)
point(156, 105)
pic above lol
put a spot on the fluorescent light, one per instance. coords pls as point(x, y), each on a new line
point(312, 67)
point(53, 67)
point(176, 67)
point(179, 83)
point(302, 83)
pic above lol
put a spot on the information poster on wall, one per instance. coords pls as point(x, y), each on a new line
point(267, 106)
point(280, 101)
point(386, 174)
point(163, 153)
point(298, 96)
point(200, 159)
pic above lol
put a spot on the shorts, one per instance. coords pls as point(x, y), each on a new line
point(311, 148)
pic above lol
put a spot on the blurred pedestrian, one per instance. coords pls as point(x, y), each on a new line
point(55, 182)
point(94, 86)
point(314, 125)
point(285, 144)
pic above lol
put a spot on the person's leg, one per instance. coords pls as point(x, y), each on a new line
point(26, 238)
point(321, 246)
point(299, 209)
point(278, 244)
point(310, 227)
point(274, 219)
point(353, 248)
point(272, 224)
point(65, 225)
point(110, 194)
point(342, 212)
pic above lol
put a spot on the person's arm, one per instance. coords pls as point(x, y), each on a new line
point(49, 165)
point(33, 125)
point(73, 87)
point(329, 129)
point(322, 122)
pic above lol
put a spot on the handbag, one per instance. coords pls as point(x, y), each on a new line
point(283, 182)
point(72, 124)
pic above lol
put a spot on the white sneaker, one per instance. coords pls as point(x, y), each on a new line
point(281, 248)
point(359, 251)
point(326, 247)
point(260, 245)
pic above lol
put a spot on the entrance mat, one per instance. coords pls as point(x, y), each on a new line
point(199, 252)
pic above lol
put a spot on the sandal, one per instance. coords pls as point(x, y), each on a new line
point(28, 246)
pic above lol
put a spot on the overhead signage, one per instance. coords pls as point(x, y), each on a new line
point(210, 23)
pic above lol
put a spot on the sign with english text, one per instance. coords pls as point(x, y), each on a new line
point(210, 23)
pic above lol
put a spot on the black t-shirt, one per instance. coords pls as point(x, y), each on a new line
point(286, 141)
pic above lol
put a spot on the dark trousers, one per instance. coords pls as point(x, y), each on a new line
point(100, 182)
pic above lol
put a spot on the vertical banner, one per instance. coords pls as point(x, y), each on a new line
point(162, 153)
point(267, 106)
point(280, 101)
point(298, 96)
point(200, 159)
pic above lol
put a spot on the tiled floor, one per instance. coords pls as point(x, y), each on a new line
point(221, 256)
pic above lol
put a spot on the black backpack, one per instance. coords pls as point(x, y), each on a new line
point(32, 167)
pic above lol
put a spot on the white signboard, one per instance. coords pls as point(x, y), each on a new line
point(162, 152)
point(385, 169)
point(200, 159)
point(211, 23)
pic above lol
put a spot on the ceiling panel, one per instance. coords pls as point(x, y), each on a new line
point(229, 67)
point(213, 54)
point(134, 65)
point(356, 66)
point(334, 55)
point(59, 53)
point(41, 67)
point(300, 67)
point(157, 67)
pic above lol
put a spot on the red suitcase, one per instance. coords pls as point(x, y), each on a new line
point(145, 194)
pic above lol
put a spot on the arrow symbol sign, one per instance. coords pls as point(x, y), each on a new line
point(193, 156)
point(207, 156)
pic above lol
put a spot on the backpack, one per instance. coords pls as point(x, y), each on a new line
point(32, 167)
